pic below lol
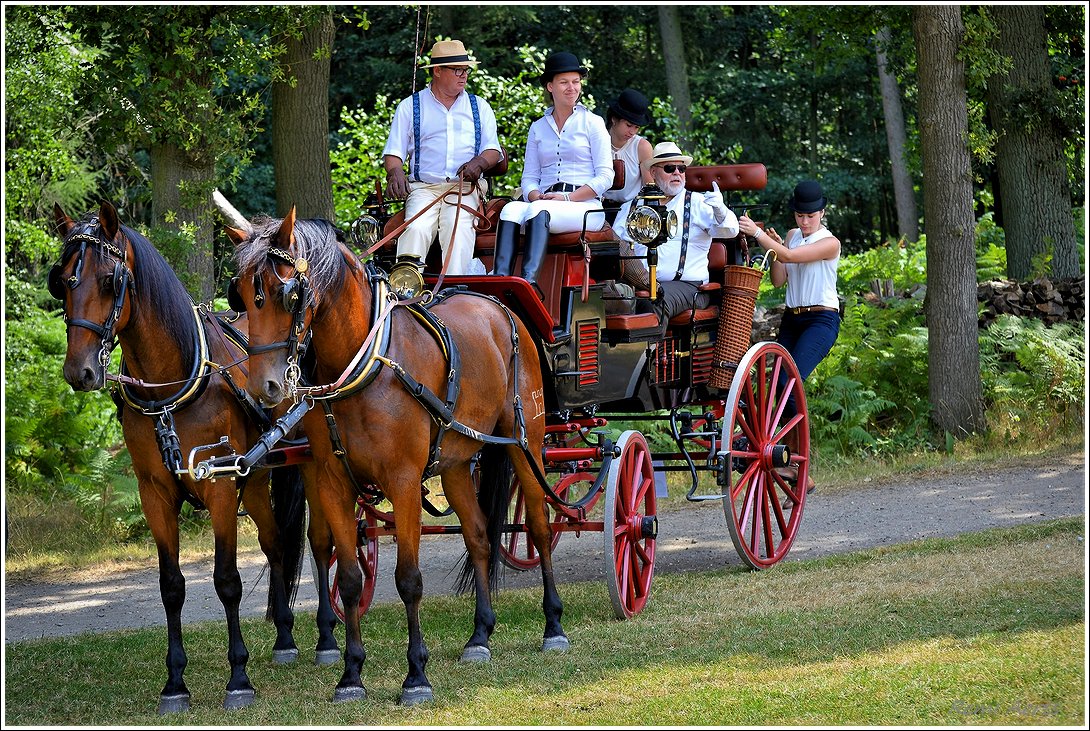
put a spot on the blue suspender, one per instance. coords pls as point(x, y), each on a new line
point(416, 136)
point(416, 131)
point(476, 126)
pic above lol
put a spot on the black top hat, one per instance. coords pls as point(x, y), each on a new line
point(807, 197)
point(631, 105)
point(561, 62)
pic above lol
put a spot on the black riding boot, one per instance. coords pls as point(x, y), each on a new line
point(507, 237)
point(537, 240)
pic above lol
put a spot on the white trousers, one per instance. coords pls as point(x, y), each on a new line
point(564, 216)
point(416, 239)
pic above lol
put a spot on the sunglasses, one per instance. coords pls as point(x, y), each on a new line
point(671, 168)
point(459, 70)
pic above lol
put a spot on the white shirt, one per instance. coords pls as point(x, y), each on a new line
point(633, 179)
point(580, 154)
point(702, 229)
point(446, 135)
point(812, 282)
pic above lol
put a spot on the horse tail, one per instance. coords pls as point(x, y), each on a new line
point(495, 471)
point(289, 512)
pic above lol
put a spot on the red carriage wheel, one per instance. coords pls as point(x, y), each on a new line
point(631, 525)
point(517, 551)
point(367, 555)
point(763, 507)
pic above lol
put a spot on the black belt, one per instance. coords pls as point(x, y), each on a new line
point(811, 308)
point(562, 188)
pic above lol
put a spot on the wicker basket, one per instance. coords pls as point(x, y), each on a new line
point(735, 322)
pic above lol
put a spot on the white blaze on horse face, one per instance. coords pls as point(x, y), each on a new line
point(538, 396)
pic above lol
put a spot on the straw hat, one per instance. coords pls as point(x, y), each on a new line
point(665, 152)
point(449, 53)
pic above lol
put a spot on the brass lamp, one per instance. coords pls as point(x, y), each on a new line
point(651, 224)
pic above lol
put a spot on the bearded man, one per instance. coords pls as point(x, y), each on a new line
point(683, 258)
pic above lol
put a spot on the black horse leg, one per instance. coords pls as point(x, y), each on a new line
point(175, 695)
point(228, 582)
point(554, 638)
point(350, 581)
point(327, 651)
point(459, 491)
point(410, 586)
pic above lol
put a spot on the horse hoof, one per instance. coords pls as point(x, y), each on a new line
point(559, 643)
point(476, 653)
point(238, 699)
point(285, 657)
point(349, 693)
point(173, 703)
point(416, 696)
point(326, 657)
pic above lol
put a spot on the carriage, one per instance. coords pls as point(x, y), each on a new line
point(724, 402)
point(526, 423)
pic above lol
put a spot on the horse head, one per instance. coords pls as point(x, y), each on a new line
point(92, 280)
point(274, 289)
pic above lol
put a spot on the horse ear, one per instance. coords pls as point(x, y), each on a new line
point(286, 235)
point(107, 218)
point(236, 235)
point(64, 223)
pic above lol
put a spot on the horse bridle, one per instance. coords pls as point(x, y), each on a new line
point(120, 280)
point(294, 297)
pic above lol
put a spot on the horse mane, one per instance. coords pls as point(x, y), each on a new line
point(316, 240)
point(156, 281)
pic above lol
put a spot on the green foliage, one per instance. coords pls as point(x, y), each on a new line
point(1033, 374)
point(47, 135)
point(58, 441)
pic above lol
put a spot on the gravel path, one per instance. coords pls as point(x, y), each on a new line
point(692, 538)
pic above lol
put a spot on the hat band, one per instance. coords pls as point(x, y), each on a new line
point(448, 60)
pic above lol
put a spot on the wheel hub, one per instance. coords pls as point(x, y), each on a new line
point(641, 527)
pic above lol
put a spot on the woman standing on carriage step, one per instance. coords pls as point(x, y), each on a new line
point(626, 116)
point(807, 264)
point(568, 166)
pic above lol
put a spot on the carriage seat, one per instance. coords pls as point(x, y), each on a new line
point(717, 261)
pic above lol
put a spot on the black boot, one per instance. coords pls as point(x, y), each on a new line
point(537, 240)
point(507, 236)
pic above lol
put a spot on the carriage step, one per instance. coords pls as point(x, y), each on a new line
point(703, 498)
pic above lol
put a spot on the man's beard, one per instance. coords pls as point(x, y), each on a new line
point(672, 188)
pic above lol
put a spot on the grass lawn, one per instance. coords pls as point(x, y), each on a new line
point(983, 629)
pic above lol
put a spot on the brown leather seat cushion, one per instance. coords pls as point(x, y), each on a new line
point(743, 176)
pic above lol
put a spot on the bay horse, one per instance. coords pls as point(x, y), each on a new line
point(413, 392)
point(183, 387)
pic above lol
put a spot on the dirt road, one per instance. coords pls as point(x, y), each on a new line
point(690, 539)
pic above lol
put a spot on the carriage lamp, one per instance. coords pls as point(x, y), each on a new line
point(651, 224)
point(366, 230)
point(407, 275)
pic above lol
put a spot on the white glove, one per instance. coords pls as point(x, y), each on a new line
point(714, 200)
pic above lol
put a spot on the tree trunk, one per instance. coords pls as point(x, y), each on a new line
point(1037, 216)
point(953, 358)
point(812, 116)
point(300, 124)
point(677, 71)
point(908, 226)
point(182, 202)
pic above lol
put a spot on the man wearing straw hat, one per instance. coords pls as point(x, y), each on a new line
point(683, 258)
point(442, 132)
